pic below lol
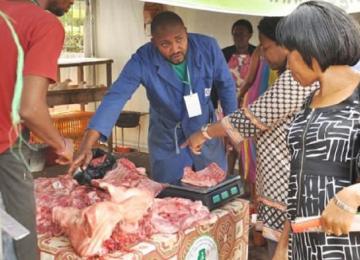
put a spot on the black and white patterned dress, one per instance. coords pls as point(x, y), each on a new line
point(267, 119)
point(320, 143)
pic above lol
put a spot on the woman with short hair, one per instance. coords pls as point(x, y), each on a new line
point(323, 42)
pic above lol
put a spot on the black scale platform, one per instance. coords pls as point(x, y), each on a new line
point(212, 197)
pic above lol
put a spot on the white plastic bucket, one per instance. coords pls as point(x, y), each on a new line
point(37, 158)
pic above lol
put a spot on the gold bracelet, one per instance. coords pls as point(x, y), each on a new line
point(342, 205)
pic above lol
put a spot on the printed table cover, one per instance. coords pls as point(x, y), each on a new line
point(224, 236)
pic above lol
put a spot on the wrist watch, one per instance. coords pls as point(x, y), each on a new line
point(205, 133)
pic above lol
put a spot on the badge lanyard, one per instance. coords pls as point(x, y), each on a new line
point(188, 82)
point(192, 101)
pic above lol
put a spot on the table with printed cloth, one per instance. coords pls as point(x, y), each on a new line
point(224, 236)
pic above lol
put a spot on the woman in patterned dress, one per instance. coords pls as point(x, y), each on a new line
point(238, 58)
point(267, 119)
point(322, 43)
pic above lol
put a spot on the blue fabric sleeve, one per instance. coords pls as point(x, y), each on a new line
point(223, 81)
point(113, 102)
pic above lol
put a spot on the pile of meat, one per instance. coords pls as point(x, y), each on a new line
point(208, 177)
point(112, 214)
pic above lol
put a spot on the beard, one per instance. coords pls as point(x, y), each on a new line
point(177, 58)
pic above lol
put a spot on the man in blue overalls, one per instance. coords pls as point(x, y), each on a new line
point(177, 70)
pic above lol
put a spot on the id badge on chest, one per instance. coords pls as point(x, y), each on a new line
point(192, 103)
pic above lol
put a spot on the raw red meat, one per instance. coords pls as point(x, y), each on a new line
point(208, 177)
point(170, 215)
point(51, 192)
point(87, 229)
point(84, 210)
point(127, 175)
point(62, 183)
point(64, 191)
point(122, 239)
point(61, 191)
point(98, 161)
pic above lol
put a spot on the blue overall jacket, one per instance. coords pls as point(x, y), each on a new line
point(170, 124)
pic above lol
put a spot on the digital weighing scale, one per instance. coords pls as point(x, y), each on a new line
point(212, 197)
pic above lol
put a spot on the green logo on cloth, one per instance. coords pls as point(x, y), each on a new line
point(203, 248)
point(202, 254)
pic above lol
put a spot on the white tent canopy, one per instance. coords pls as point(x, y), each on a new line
point(253, 7)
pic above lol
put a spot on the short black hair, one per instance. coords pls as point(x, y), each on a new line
point(322, 31)
point(165, 18)
point(244, 23)
point(267, 26)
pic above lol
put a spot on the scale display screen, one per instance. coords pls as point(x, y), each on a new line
point(217, 198)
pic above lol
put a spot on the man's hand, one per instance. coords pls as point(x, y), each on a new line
point(197, 139)
point(82, 159)
point(66, 155)
point(84, 155)
point(195, 142)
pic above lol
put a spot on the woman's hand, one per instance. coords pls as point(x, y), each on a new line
point(195, 142)
point(281, 252)
point(339, 213)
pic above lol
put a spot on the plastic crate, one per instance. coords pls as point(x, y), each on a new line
point(70, 125)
